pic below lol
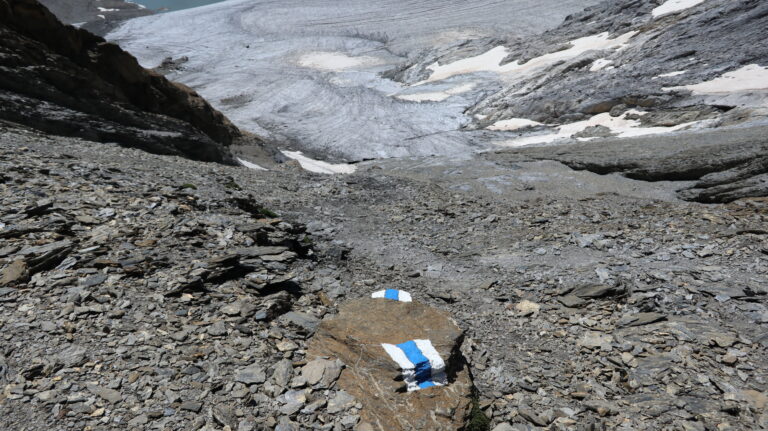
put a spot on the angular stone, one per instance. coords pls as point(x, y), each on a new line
point(331, 374)
point(594, 291)
point(527, 308)
point(252, 374)
point(532, 417)
point(304, 321)
point(340, 402)
point(73, 356)
point(354, 336)
point(283, 372)
point(261, 251)
point(191, 406)
point(286, 346)
point(217, 329)
point(571, 301)
point(639, 319)
point(723, 339)
point(757, 400)
point(14, 273)
point(110, 395)
point(94, 280)
point(313, 371)
point(593, 340)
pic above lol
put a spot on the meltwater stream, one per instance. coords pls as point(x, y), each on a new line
point(306, 73)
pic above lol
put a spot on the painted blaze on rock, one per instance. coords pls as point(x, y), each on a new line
point(355, 336)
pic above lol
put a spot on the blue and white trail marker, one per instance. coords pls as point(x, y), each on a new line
point(393, 294)
point(422, 366)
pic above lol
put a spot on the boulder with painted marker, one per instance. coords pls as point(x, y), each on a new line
point(355, 336)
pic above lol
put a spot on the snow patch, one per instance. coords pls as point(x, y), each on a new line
point(250, 165)
point(600, 64)
point(621, 126)
point(670, 74)
point(336, 61)
point(491, 60)
point(513, 124)
point(319, 166)
point(746, 79)
point(674, 6)
point(436, 96)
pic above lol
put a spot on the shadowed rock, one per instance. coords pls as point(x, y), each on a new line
point(67, 81)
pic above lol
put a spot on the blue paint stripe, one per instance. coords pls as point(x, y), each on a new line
point(392, 294)
point(426, 384)
point(420, 362)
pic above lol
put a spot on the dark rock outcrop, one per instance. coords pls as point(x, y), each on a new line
point(67, 81)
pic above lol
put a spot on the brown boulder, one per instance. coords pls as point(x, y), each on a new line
point(355, 335)
point(15, 272)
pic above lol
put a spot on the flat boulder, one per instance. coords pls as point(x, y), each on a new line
point(355, 336)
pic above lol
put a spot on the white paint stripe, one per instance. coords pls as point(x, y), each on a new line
point(402, 295)
point(435, 361)
point(398, 356)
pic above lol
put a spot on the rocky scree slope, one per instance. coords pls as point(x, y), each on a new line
point(587, 310)
point(132, 297)
point(148, 292)
point(68, 81)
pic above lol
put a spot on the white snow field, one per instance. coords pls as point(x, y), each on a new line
point(251, 165)
point(306, 72)
point(746, 86)
point(674, 6)
point(491, 60)
point(513, 124)
point(319, 166)
point(621, 126)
